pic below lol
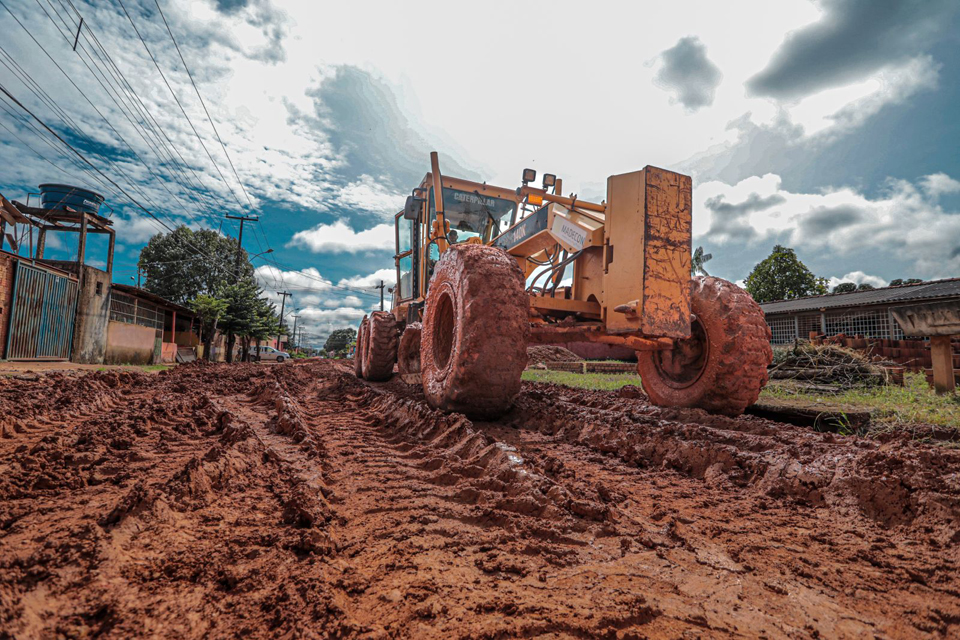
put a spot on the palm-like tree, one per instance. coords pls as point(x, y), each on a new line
point(699, 258)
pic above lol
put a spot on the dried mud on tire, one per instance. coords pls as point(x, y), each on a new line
point(299, 501)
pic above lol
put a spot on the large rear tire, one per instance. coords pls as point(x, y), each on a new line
point(381, 348)
point(473, 347)
point(360, 348)
point(723, 366)
point(408, 354)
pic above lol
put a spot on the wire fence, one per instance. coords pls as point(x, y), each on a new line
point(869, 323)
point(128, 309)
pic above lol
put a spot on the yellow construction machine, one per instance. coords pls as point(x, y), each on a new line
point(484, 271)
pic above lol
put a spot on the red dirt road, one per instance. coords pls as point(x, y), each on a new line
point(297, 501)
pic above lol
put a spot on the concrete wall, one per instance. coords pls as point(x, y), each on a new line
point(129, 343)
point(6, 299)
point(93, 312)
point(168, 352)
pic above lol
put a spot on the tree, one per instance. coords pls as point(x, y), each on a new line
point(243, 316)
point(864, 286)
point(782, 276)
point(896, 282)
point(340, 339)
point(696, 263)
point(184, 264)
point(210, 310)
point(845, 287)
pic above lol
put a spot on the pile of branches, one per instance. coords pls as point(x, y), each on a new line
point(826, 364)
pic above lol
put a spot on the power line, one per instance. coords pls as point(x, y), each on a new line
point(109, 94)
point(177, 99)
point(204, 104)
point(135, 202)
point(155, 219)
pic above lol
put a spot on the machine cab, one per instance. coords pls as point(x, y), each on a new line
point(473, 213)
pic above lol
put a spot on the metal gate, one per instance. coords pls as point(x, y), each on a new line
point(41, 324)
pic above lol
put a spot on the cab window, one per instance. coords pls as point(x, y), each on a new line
point(473, 215)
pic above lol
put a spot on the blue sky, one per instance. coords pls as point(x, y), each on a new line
point(826, 125)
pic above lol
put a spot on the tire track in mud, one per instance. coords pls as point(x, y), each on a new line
point(694, 490)
point(296, 500)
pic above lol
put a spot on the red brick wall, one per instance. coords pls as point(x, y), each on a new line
point(6, 298)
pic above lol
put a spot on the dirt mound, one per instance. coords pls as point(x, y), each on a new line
point(543, 354)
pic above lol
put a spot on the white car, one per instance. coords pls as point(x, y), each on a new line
point(268, 353)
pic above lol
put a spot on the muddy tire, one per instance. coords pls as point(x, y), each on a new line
point(473, 347)
point(380, 353)
point(408, 355)
point(723, 366)
point(360, 347)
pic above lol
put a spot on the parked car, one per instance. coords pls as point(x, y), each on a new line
point(268, 353)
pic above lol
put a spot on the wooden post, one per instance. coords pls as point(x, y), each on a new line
point(41, 242)
point(81, 250)
point(113, 239)
point(173, 328)
point(942, 355)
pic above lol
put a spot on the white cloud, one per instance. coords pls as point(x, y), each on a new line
point(371, 195)
point(904, 222)
point(340, 238)
point(857, 277)
point(271, 277)
point(938, 184)
point(388, 276)
point(135, 228)
point(844, 108)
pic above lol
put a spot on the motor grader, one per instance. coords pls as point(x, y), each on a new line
point(484, 271)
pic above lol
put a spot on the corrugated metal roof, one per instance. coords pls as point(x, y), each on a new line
point(921, 291)
point(152, 297)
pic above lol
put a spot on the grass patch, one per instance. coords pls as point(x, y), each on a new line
point(596, 381)
point(913, 403)
point(890, 406)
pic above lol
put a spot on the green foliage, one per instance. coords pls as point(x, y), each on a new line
point(896, 282)
point(184, 264)
point(863, 286)
point(209, 308)
point(781, 276)
point(248, 313)
point(912, 281)
point(697, 262)
point(340, 340)
point(845, 287)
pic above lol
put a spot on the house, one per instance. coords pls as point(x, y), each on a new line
point(69, 310)
point(858, 313)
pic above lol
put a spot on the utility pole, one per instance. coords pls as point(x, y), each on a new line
point(285, 294)
point(294, 337)
point(242, 219)
point(380, 286)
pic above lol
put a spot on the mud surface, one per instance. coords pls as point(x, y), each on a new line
point(297, 501)
point(543, 353)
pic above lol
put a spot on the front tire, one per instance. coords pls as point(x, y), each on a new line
point(723, 365)
point(360, 347)
point(279, 359)
point(473, 347)
point(408, 354)
point(381, 347)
